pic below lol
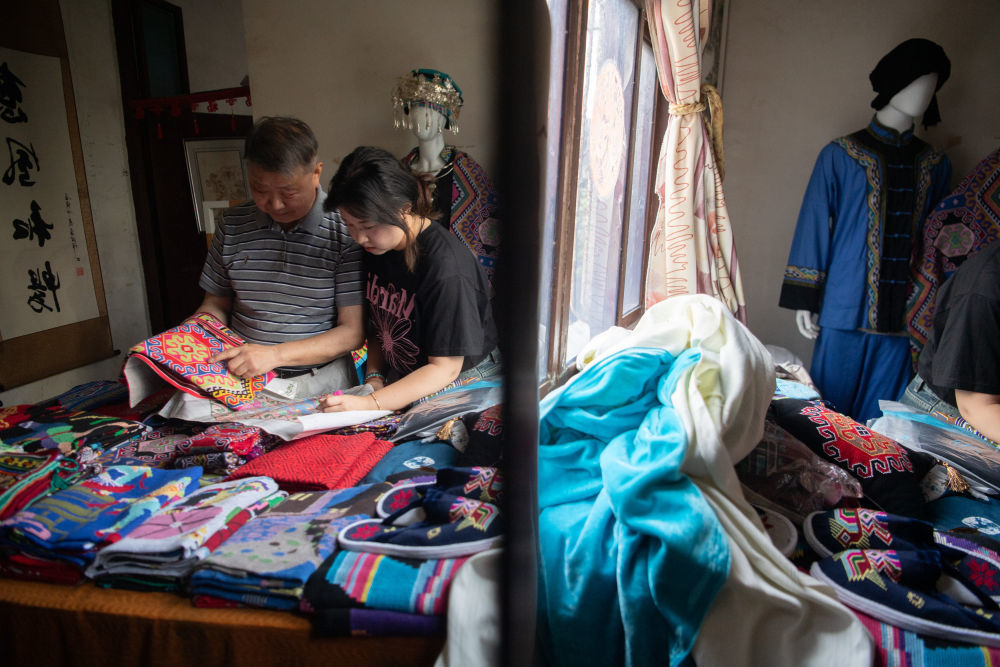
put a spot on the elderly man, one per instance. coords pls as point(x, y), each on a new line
point(284, 274)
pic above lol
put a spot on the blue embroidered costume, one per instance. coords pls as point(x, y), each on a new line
point(850, 259)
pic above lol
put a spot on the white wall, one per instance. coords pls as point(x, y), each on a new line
point(796, 76)
point(334, 63)
point(94, 65)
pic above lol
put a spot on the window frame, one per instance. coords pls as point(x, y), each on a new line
point(570, 128)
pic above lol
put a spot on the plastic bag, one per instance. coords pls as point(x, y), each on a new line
point(977, 460)
point(785, 472)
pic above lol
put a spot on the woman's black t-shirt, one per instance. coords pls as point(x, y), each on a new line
point(442, 309)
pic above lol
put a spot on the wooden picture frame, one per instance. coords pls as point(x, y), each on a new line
point(217, 175)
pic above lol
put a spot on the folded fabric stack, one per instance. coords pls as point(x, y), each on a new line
point(31, 428)
point(71, 525)
point(165, 548)
point(402, 564)
point(223, 448)
point(267, 562)
point(318, 462)
point(25, 477)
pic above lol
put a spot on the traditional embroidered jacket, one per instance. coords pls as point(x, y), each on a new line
point(467, 201)
point(866, 201)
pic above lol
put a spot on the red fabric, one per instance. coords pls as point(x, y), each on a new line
point(236, 438)
point(318, 462)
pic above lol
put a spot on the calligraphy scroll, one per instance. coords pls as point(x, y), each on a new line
point(53, 315)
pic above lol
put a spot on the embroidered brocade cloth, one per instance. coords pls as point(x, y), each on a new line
point(962, 224)
point(180, 356)
point(467, 200)
point(868, 196)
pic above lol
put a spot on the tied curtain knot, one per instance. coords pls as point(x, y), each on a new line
point(711, 100)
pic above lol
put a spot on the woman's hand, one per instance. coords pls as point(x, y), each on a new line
point(346, 402)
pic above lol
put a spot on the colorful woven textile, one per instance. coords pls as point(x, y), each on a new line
point(374, 623)
point(895, 646)
point(374, 581)
point(268, 561)
point(74, 523)
point(319, 462)
point(25, 477)
point(32, 428)
point(91, 395)
point(181, 357)
point(472, 207)
point(170, 543)
point(963, 223)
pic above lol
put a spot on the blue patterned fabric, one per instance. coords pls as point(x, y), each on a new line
point(631, 554)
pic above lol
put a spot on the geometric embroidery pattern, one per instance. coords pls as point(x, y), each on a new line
point(855, 527)
point(872, 565)
point(181, 357)
point(862, 451)
point(473, 513)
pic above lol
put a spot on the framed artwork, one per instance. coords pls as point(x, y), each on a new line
point(217, 175)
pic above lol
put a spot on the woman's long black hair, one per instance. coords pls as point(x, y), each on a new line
point(371, 184)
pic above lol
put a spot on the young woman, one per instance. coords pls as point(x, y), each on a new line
point(429, 320)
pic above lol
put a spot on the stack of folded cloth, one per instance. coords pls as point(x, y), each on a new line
point(25, 477)
point(393, 574)
point(69, 527)
point(159, 553)
point(267, 562)
point(32, 428)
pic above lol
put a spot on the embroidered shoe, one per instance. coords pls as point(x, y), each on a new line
point(478, 483)
point(831, 531)
point(902, 588)
point(974, 562)
point(452, 526)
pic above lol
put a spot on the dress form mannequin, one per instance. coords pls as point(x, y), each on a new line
point(427, 126)
point(900, 113)
point(849, 266)
point(427, 102)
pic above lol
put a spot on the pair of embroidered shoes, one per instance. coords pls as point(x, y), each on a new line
point(903, 572)
point(456, 514)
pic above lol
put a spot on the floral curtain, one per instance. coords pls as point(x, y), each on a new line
point(692, 250)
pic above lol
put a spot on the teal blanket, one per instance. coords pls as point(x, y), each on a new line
point(631, 554)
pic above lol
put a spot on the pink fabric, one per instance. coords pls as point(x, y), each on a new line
point(692, 249)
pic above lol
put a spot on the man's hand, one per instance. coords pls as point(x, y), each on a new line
point(249, 359)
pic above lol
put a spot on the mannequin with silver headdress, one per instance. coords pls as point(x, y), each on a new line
point(427, 103)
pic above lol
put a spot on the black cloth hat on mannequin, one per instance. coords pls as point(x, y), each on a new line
point(908, 61)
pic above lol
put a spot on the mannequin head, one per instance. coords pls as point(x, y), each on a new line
point(426, 123)
point(909, 64)
point(908, 104)
point(430, 89)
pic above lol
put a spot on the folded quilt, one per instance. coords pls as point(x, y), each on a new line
point(318, 462)
point(269, 560)
point(172, 542)
point(74, 523)
point(181, 355)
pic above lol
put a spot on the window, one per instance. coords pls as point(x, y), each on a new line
point(606, 100)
